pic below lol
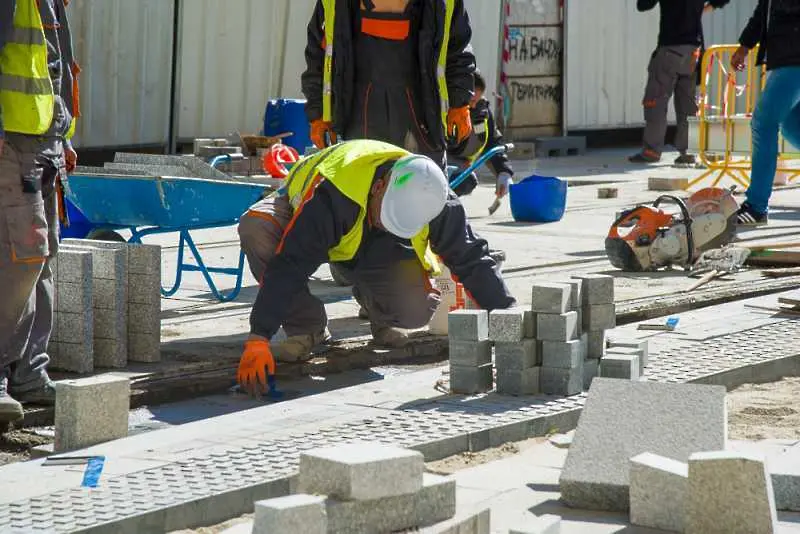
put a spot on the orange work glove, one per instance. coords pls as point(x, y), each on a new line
point(256, 372)
point(459, 124)
point(319, 129)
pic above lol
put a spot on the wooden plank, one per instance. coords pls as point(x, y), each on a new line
point(789, 300)
point(774, 257)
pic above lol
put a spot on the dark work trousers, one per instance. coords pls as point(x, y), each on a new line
point(671, 70)
point(388, 279)
point(386, 106)
point(29, 167)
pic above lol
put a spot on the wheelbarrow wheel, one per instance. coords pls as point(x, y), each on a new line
point(339, 277)
point(100, 234)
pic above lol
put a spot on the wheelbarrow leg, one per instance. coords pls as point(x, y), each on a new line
point(201, 266)
point(178, 271)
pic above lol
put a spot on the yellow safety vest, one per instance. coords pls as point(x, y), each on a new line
point(329, 9)
point(26, 91)
point(350, 167)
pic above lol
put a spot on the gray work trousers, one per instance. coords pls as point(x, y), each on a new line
point(29, 167)
point(388, 279)
point(671, 70)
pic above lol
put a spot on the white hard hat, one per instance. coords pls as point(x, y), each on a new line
point(415, 195)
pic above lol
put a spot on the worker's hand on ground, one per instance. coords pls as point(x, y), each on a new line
point(504, 182)
point(739, 58)
point(319, 130)
point(256, 364)
point(71, 158)
point(459, 124)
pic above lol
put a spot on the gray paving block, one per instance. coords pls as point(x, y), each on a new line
point(73, 297)
point(560, 146)
point(597, 288)
point(518, 382)
point(467, 523)
point(729, 492)
point(584, 345)
point(557, 381)
point(435, 502)
point(75, 327)
point(144, 348)
point(785, 472)
point(73, 265)
point(580, 329)
point(470, 353)
point(658, 490)
point(591, 370)
point(576, 293)
point(108, 294)
point(72, 357)
point(530, 324)
point(144, 288)
point(90, 411)
point(469, 380)
point(293, 514)
point(516, 356)
point(361, 471)
point(109, 259)
point(468, 325)
point(563, 354)
point(622, 419)
point(507, 326)
point(599, 317)
point(557, 327)
point(624, 366)
point(551, 298)
point(543, 524)
point(642, 345)
point(144, 259)
point(111, 353)
point(109, 325)
point(596, 343)
point(144, 318)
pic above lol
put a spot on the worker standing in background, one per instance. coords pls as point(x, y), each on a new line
point(485, 136)
point(672, 70)
point(398, 71)
point(38, 107)
point(379, 212)
point(775, 25)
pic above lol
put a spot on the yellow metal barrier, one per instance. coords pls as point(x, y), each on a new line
point(725, 109)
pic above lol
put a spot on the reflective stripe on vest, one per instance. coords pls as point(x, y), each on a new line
point(26, 91)
point(441, 71)
point(350, 167)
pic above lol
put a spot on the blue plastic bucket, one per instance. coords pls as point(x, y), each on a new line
point(287, 115)
point(538, 199)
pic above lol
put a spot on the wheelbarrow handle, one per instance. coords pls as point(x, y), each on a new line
point(216, 160)
point(459, 178)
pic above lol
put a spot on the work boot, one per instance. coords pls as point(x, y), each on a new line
point(388, 336)
point(645, 156)
point(44, 395)
point(363, 313)
point(685, 159)
point(10, 408)
point(298, 348)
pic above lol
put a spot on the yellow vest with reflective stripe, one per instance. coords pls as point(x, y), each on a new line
point(350, 167)
point(329, 9)
point(26, 91)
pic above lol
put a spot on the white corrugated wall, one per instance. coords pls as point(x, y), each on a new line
point(125, 50)
point(608, 46)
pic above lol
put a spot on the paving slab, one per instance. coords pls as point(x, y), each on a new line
point(659, 489)
point(622, 419)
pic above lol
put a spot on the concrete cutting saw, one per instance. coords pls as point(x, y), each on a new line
point(646, 238)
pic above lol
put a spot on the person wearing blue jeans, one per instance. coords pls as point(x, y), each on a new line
point(775, 24)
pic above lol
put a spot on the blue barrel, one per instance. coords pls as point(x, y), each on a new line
point(538, 199)
point(287, 115)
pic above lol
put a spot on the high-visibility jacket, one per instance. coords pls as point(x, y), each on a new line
point(27, 98)
point(350, 167)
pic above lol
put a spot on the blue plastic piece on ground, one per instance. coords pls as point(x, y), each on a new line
point(94, 468)
point(672, 322)
point(538, 199)
point(288, 115)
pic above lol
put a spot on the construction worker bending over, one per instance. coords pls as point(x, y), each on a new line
point(398, 71)
point(485, 136)
point(38, 105)
point(380, 213)
point(672, 70)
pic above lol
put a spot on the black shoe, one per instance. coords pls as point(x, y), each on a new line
point(645, 156)
point(747, 216)
point(43, 396)
point(362, 313)
point(10, 408)
point(686, 159)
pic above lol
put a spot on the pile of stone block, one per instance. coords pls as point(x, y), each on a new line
point(625, 358)
point(470, 351)
point(360, 487)
point(107, 305)
point(557, 310)
point(516, 353)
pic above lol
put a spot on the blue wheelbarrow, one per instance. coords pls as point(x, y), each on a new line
point(148, 205)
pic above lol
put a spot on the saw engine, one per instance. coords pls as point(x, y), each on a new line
point(646, 238)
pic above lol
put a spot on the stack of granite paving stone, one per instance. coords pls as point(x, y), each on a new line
point(107, 305)
point(515, 351)
point(361, 487)
point(470, 351)
point(557, 310)
point(598, 315)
